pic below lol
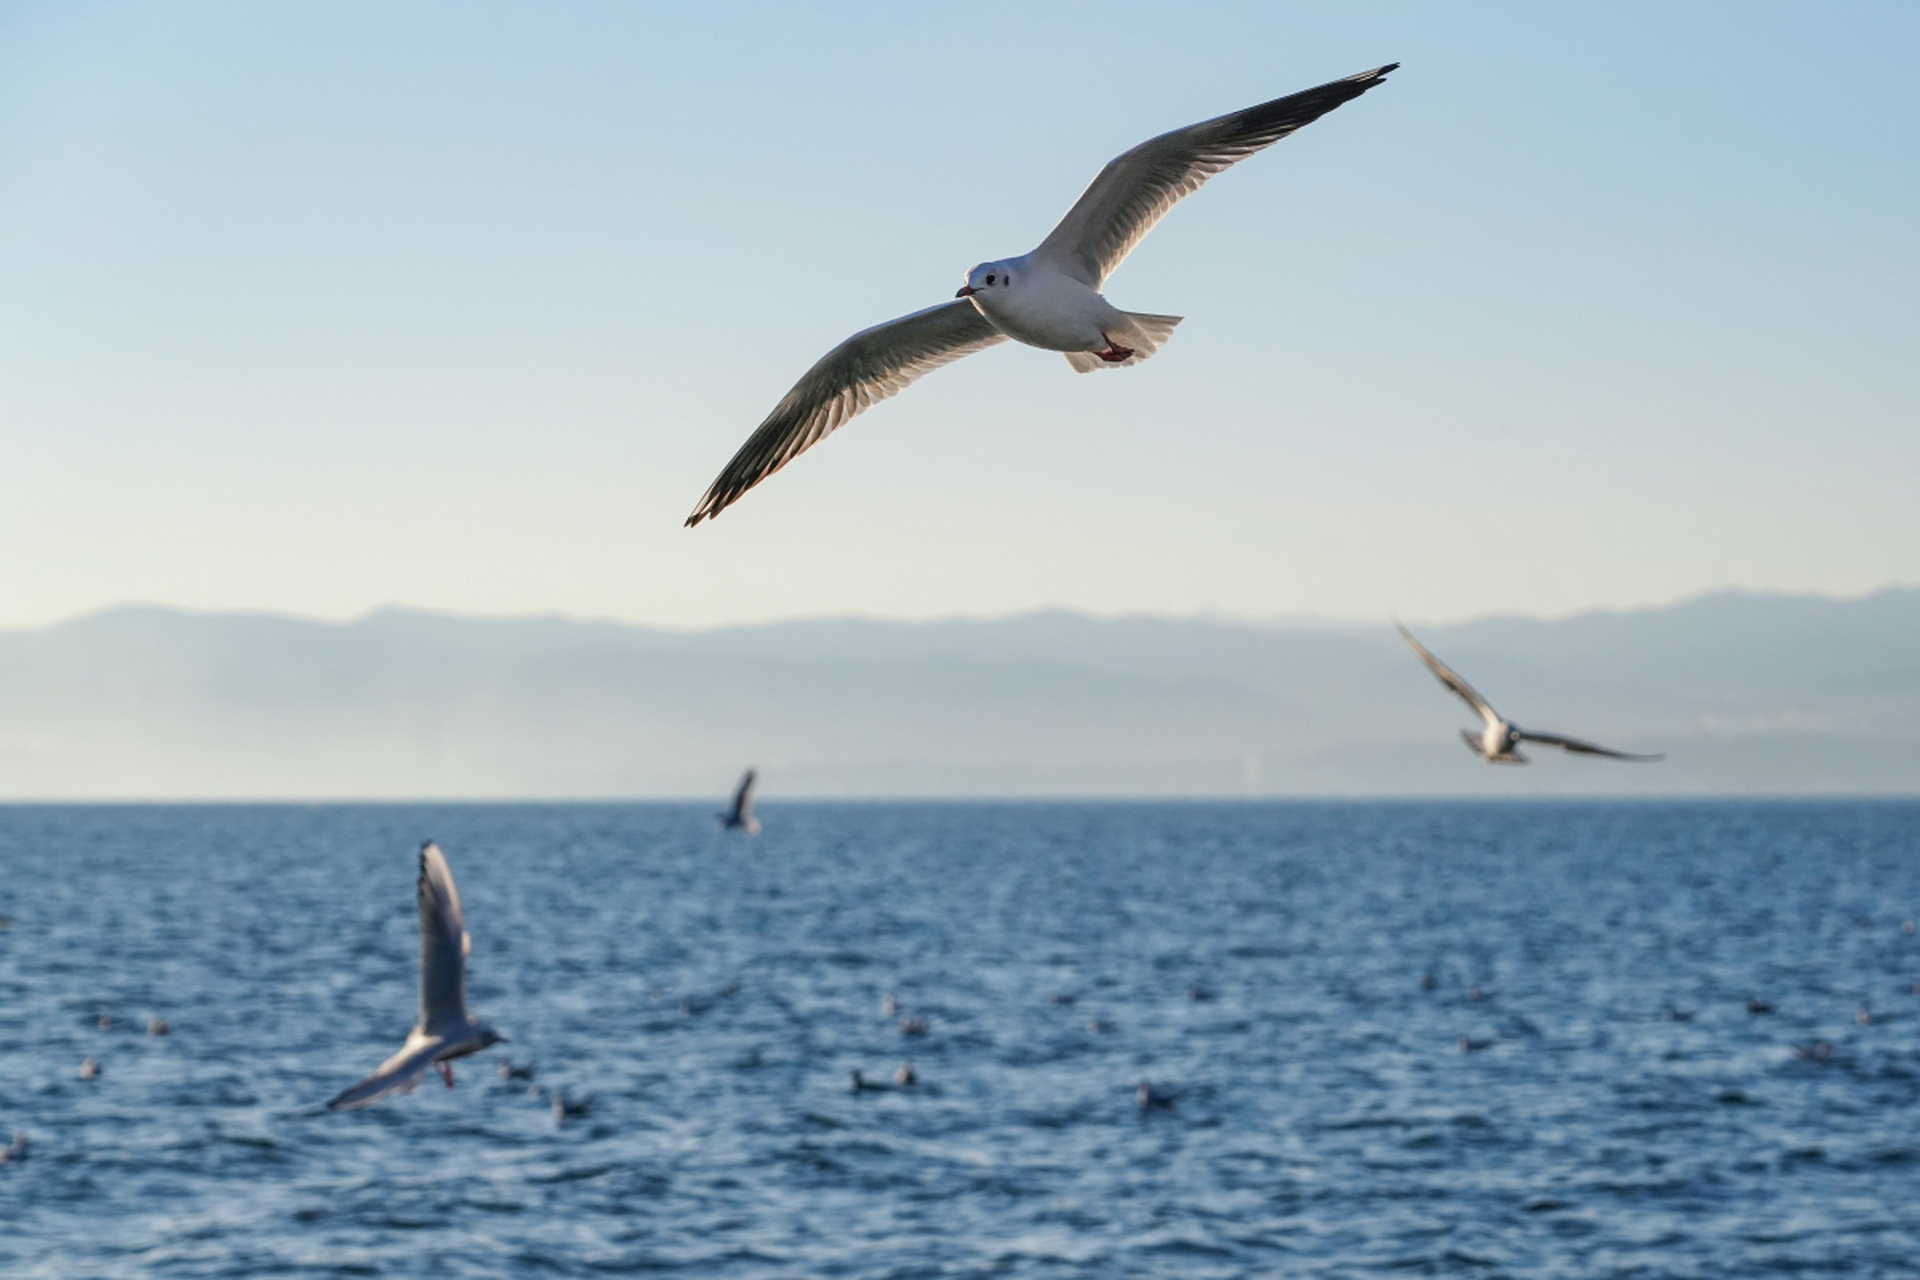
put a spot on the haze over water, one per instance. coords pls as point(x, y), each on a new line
point(711, 995)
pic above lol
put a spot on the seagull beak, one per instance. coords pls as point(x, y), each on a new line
point(966, 291)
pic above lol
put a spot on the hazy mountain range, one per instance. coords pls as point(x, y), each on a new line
point(1748, 694)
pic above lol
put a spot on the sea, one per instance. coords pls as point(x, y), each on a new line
point(1563, 1039)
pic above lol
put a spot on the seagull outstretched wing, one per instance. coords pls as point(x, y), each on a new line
point(1578, 747)
point(443, 944)
point(398, 1074)
point(1450, 678)
point(862, 371)
point(1138, 187)
point(742, 800)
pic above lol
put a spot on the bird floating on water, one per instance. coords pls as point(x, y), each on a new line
point(1151, 1097)
point(1497, 741)
point(1049, 298)
point(739, 815)
point(570, 1108)
point(445, 1029)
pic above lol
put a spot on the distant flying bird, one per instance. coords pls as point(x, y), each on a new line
point(1049, 298)
point(1497, 741)
point(445, 1030)
point(740, 816)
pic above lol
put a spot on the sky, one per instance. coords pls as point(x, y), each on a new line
point(319, 307)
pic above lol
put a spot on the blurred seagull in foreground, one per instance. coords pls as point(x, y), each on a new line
point(1497, 741)
point(1049, 298)
point(740, 816)
point(445, 1030)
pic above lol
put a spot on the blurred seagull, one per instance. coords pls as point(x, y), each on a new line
point(1049, 298)
point(1151, 1097)
point(740, 816)
point(445, 1030)
point(1496, 742)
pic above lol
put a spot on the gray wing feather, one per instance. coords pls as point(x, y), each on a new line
point(862, 371)
point(398, 1074)
point(743, 798)
point(1578, 747)
point(1450, 678)
point(1138, 187)
point(443, 943)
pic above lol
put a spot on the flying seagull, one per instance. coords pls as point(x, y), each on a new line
point(445, 1030)
point(1049, 298)
point(1496, 742)
point(740, 816)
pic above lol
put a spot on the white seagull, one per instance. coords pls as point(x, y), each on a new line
point(739, 817)
point(1049, 298)
point(1497, 741)
point(445, 1030)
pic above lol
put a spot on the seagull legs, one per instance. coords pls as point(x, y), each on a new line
point(1114, 353)
point(446, 1072)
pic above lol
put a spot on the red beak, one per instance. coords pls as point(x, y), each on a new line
point(966, 291)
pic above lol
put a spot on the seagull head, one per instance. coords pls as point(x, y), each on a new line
point(985, 278)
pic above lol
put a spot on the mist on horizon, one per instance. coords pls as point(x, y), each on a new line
point(1746, 695)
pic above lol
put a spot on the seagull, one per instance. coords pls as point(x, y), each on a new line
point(1049, 298)
point(1151, 1097)
point(445, 1030)
point(1496, 743)
point(740, 816)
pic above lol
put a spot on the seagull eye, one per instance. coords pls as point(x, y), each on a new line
point(989, 279)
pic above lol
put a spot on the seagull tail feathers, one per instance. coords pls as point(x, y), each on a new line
point(1145, 333)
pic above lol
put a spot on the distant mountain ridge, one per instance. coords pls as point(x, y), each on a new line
point(1749, 694)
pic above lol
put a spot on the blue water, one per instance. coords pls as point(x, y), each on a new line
point(710, 995)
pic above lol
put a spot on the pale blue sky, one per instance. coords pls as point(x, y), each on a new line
point(318, 307)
